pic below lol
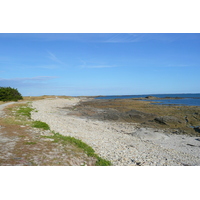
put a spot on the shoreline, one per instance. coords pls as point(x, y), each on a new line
point(180, 119)
point(166, 100)
point(123, 143)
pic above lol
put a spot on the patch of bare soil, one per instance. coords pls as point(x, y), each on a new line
point(26, 146)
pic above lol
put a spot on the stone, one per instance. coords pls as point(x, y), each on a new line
point(151, 97)
point(167, 120)
point(48, 139)
point(197, 129)
point(138, 115)
point(138, 163)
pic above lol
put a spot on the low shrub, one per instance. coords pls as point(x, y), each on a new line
point(9, 94)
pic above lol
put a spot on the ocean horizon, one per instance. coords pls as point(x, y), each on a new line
point(189, 99)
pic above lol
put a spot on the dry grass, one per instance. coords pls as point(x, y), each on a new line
point(35, 98)
point(124, 105)
point(1, 102)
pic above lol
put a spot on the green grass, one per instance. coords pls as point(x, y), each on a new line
point(39, 124)
point(88, 150)
point(30, 143)
point(102, 162)
point(24, 111)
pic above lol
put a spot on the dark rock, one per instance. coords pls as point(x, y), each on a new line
point(138, 163)
point(191, 145)
point(110, 116)
point(138, 114)
point(184, 164)
point(167, 120)
point(197, 129)
point(151, 97)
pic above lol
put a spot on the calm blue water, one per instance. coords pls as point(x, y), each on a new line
point(189, 99)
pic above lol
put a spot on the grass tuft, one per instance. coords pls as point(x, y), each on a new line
point(25, 111)
point(102, 162)
point(30, 143)
point(39, 124)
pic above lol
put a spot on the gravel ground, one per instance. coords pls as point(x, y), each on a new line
point(22, 145)
point(124, 144)
point(2, 114)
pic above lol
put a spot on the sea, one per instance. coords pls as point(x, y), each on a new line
point(188, 99)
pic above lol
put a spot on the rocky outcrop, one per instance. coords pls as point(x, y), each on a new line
point(168, 120)
point(151, 97)
point(136, 115)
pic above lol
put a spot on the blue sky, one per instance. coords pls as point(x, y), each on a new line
point(100, 64)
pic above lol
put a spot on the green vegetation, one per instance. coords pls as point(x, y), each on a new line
point(13, 121)
point(35, 98)
point(102, 162)
point(18, 115)
point(9, 94)
point(88, 150)
point(25, 111)
point(39, 124)
point(30, 143)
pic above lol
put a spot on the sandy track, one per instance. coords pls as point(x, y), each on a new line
point(121, 143)
point(2, 106)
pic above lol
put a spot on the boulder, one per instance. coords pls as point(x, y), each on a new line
point(167, 120)
point(197, 129)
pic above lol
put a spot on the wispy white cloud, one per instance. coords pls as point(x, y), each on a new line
point(46, 66)
point(95, 64)
point(143, 37)
point(37, 78)
point(178, 65)
point(98, 66)
point(81, 37)
point(103, 37)
point(54, 58)
point(124, 37)
point(32, 82)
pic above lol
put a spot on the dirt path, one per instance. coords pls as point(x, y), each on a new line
point(22, 145)
point(2, 106)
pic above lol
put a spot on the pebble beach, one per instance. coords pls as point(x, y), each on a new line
point(124, 144)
